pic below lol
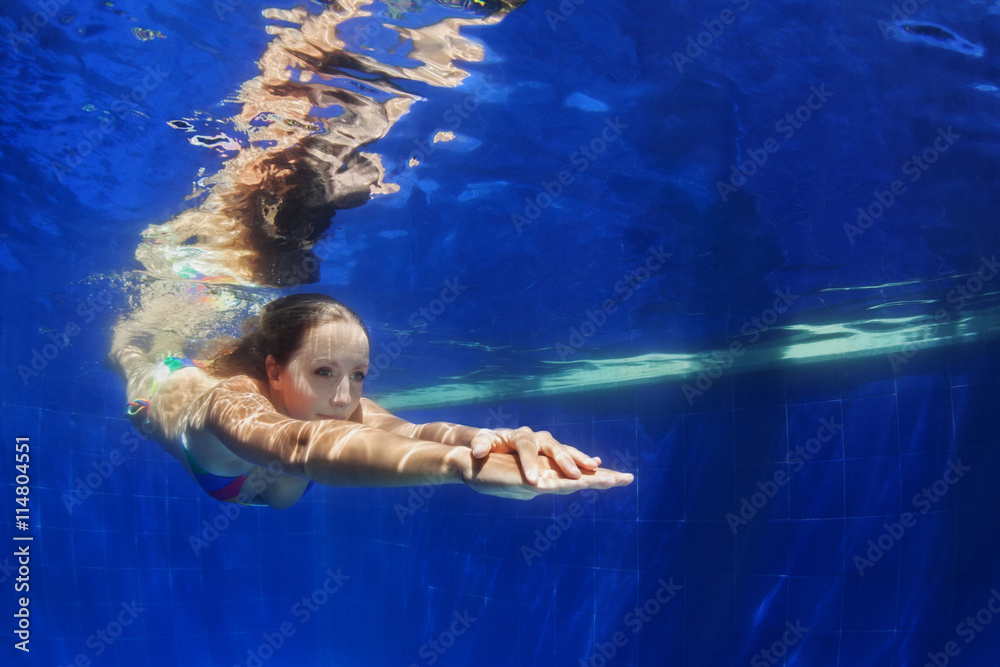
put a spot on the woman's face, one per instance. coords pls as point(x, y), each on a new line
point(323, 378)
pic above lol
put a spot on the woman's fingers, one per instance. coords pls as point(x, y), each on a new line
point(482, 442)
point(570, 459)
point(602, 478)
point(535, 447)
point(527, 452)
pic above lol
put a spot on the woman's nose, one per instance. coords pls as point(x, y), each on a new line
point(342, 394)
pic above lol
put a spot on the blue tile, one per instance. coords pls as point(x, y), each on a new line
point(914, 646)
point(761, 601)
point(867, 377)
point(815, 431)
point(721, 590)
point(930, 546)
point(817, 648)
point(873, 544)
point(707, 396)
point(870, 426)
point(761, 435)
point(762, 492)
point(872, 486)
point(753, 390)
point(975, 415)
point(874, 648)
point(615, 442)
point(816, 601)
point(816, 547)
point(974, 546)
point(924, 600)
point(617, 544)
point(660, 494)
point(661, 441)
point(763, 547)
point(870, 602)
point(575, 589)
point(973, 364)
point(661, 547)
point(709, 493)
point(971, 476)
point(708, 439)
point(811, 384)
point(709, 547)
point(925, 420)
point(774, 643)
point(707, 645)
point(573, 632)
point(817, 490)
point(661, 398)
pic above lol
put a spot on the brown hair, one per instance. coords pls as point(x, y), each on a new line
point(279, 331)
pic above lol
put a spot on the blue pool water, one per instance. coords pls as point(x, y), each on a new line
point(743, 250)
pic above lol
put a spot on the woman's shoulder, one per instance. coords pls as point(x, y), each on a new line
point(181, 400)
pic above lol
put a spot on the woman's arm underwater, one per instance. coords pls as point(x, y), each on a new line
point(348, 453)
point(524, 442)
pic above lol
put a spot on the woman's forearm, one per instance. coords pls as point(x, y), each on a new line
point(444, 432)
point(330, 452)
point(366, 456)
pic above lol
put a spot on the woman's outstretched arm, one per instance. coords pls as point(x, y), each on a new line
point(527, 444)
point(346, 453)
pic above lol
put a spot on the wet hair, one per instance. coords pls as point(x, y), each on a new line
point(279, 331)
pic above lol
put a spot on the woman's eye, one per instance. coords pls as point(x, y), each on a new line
point(325, 372)
point(358, 377)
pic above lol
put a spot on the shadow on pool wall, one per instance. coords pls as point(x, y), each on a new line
point(828, 514)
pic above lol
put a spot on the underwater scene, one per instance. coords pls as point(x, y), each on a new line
point(742, 252)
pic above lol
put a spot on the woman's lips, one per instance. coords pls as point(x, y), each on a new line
point(326, 416)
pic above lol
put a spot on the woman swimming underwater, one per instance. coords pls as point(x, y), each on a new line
point(283, 409)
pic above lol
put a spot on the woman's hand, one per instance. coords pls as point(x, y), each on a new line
point(528, 444)
point(502, 474)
